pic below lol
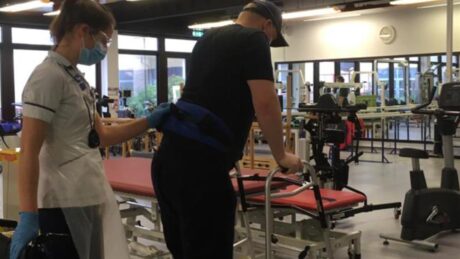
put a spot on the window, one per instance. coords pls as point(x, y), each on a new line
point(90, 74)
point(176, 78)
point(175, 45)
point(25, 62)
point(346, 69)
point(137, 43)
point(281, 83)
point(281, 75)
point(366, 77)
point(309, 78)
point(326, 72)
point(399, 85)
point(414, 89)
point(434, 59)
point(383, 70)
point(138, 82)
point(31, 36)
point(302, 73)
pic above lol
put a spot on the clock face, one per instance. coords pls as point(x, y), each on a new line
point(387, 34)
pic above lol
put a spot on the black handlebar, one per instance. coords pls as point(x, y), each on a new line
point(437, 112)
point(419, 109)
point(349, 108)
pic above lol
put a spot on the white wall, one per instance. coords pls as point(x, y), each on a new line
point(418, 31)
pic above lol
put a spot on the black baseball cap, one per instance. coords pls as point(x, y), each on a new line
point(270, 11)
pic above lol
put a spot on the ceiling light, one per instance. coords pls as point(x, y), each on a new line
point(334, 17)
point(53, 13)
point(26, 6)
point(408, 2)
point(436, 5)
point(205, 26)
point(286, 16)
point(309, 13)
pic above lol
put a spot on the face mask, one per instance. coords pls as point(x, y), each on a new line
point(92, 56)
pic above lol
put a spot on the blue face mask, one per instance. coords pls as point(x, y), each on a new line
point(92, 56)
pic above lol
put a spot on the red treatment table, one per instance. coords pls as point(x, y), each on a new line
point(133, 176)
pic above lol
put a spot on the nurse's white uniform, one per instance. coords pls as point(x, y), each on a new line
point(71, 173)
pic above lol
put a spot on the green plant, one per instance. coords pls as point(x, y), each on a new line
point(137, 101)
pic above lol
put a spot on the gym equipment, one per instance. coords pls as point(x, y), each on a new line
point(329, 128)
point(353, 242)
point(334, 174)
point(9, 129)
point(430, 211)
point(312, 238)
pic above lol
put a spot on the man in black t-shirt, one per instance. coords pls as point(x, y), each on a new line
point(231, 76)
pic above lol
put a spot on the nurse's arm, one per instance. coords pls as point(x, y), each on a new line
point(112, 135)
point(32, 137)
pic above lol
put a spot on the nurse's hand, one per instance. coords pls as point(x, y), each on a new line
point(159, 115)
point(24, 233)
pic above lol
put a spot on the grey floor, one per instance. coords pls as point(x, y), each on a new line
point(388, 183)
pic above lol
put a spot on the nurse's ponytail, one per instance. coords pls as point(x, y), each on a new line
point(74, 12)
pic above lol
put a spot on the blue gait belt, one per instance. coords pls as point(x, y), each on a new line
point(197, 123)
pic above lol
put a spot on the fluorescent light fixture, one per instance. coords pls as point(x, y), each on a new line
point(286, 16)
point(436, 5)
point(309, 13)
point(53, 13)
point(334, 17)
point(205, 26)
point(25, 6)
point(408, 2)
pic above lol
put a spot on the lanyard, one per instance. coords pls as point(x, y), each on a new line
point(83, 84)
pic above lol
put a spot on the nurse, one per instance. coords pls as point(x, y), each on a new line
point(62, 186)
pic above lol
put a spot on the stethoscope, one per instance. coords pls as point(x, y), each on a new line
point(93, 136)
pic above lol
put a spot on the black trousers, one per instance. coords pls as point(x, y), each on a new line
point(196, 199)
point(52, 221)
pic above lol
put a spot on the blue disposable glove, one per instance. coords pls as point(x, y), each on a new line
point(159, 115)
point(25, 232)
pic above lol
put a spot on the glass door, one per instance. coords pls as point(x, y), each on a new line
point(177, 74)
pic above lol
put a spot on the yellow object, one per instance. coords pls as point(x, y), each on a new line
point(10, 155)
point(8, 234)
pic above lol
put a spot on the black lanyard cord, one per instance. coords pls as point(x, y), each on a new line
point(83, 84)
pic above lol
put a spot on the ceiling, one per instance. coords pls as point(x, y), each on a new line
point(171, 17)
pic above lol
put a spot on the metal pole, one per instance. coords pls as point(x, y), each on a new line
point(448, 151)
point(450, 31)
point(268, 215)
point(407, 84)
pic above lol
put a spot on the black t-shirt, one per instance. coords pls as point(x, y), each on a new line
point(223, 60)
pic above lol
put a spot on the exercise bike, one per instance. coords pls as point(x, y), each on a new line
point(429, 211)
